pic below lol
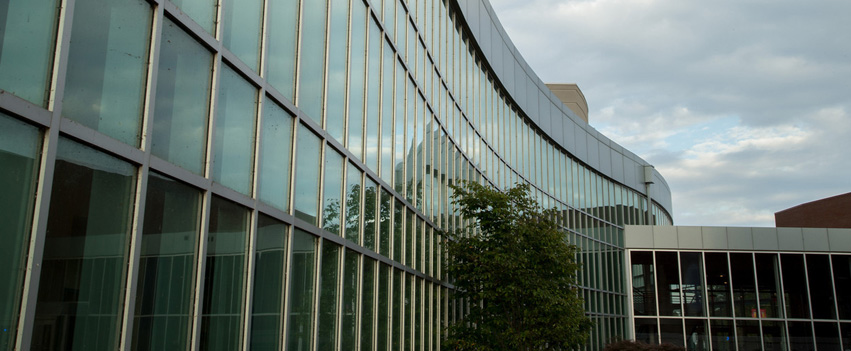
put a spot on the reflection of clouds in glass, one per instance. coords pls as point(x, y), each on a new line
point(233, 144)
point(27, 48)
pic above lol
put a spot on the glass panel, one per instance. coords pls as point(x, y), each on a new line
point(269, 276)
point(367, 304)
point(166, 282)
point(821, 286)
point(388, 64)
point(221, 313)
point(383, 307)
point(276, 140)
point(333, 193)
point(696, 335)
point(353, 202)
point(384, 216)
point(671, 331)
point(326, 334)
point(768, 275)
point(692, 272)
point(668, 284)
point(107, 66)
point(202, 11)
point(718, 285)
point(827, 336)
point(27, 31)
point(721, 333)
point(800, 335)
point(398, 225)
point(744, 289)
point(20, 147)
point(335, 109)
point(241, 32)
point(306, 202)
point(80, 293)
point(233, 142)
point(348, 328)
point(281, 45)
point(846, 334)
point(312, 59)
point(372, 97)
point(397, 313)
point(795, 286)
point(301, 291)
point(774, 335)
point(370, 198)
point(183, 91)
point(747, 334)
point(842, 279)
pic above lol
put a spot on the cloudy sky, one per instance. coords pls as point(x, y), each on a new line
point(744, 106)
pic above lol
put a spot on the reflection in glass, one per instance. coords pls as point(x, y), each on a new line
point(27, 34)
point(269, 276)
point(335, 108)
point(842, 279)
point(326, 332)
point(20, 145)
point(768, 275)
point(821, 287)
point(370, 198)
point(357, 80)
point(748, 335)
point(385, 214)
point(383, 326)
point(348, 327)
point(668, 284)
point(367, 304)
point(281, 45)
point(774, 335)
point(183, 90)
point(221, 313)
point(696, 335)
point(388, 63)
point(311, 75)
point(744, 285)
point(398, 225)
point(300, 329)
point(276, 140)
point(718, 284)
point(165, 289)
point(800, 334)
point(795, 286)
point(671, 331)
point(332, 205)
point(107, 66)
point(201, 11)
point(396, 314)
point(353, 203)
point(646, 330)
point(827, 336)
point(721, 333)
point(692, 273)
point(308, 163)
point(373, 95)
point(85, 251)
point(241, 29)
point(233, 142)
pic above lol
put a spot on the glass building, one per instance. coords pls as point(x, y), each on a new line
point(716, 288)
point(274, 174)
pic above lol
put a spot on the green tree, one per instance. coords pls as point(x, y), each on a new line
point(518, 276)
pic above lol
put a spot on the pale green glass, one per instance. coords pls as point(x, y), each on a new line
point(107, 67)
point(373, 97)
point(353, 203)
point(269, 277)
point(387, 67)
point(357, 81)
point(400, 151)
point(281, 45)
point(307, 176)
point(335, 107)
point(300, 330)
point(333, 202)
point(85, 250)
point(241, 23)
point(28, 32)
point(20, 144)
point(276, 140)
point(183, 93)
point(221, 312)
point(165, 287)
point(311, 75)
point(326, 333)
point(233, 141)
point(202, 12)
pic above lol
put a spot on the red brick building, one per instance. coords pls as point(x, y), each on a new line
point(831, 212)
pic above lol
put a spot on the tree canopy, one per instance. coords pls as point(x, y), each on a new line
point(518, 275)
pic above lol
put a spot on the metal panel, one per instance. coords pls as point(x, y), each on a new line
point(765, 239)
point(739, 238)
point(714, 238)
point(665, 237)
point(790, 239)
point(815, 239)
point(689, 237)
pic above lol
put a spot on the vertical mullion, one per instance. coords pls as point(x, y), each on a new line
point(809, 300)
point(201, 264)
point(317, 286)
point(249, 275)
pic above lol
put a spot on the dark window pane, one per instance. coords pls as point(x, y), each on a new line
point(722, 335)
point(842, 279)
point(774, 335)
point(692, 273)
point(370, 198)
point(367, 304)
point(326, 334)
point(845, 328)
point(800, 335)
point(821, 286)
point(348, 328)
point(747, 335)
point(383, 326)
point(269, 277)
point(385, 214)
point(668, 284)
point(768, 274)
point(166, 281)
point(795, 286)
point(696, 338)
point(744, 285)
point(353, 203)
point(85, 251)
point(334, 166)
point(671, 331)
point(827, 336)
point(718, 285)
point(646, 330)
point(300, 329)
point(643, 284)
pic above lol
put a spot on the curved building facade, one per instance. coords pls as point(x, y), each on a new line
point(274, 174)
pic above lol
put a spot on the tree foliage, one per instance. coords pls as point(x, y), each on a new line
point(517, 276)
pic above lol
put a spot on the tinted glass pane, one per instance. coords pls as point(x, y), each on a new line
point(165, 287)
point(768, 274)
point(373, 95)
point(306, 202)
point(718, 285)
point(668, 284)
point(107, 66)
point(383, 307)
point(747, 335)
point(183, 90)
point(300, 330)
point(800, 335)
point(348, 328)
point(353, 202)
point(334, 166)
point(241, 33)
point(827, 336)
point(335, 109)
point(281, 47)
point(821, 286)
point(85, 250)
point(774, 335)
point(397, 312)
point(326, 335)
point(221, 313)
point(370, 203)
point(20, 145)
point(312, 64)
point(692, 273)
point(385, 213)
point(842, 280)
point(722, 335)
point(671, 331)
point(388, 64)
point(744, 287)
point(202, 11)
point(28, 29)
point(233, 143)
point(357, 80)
point(845, 329)
point(269, 276)
point(276, 140)
point(398, 225)
point(795, 287)
point(367, 304)
point(696, 338)
point(646, 330)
